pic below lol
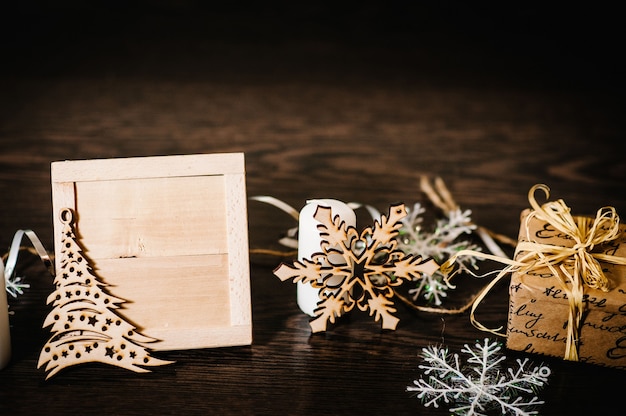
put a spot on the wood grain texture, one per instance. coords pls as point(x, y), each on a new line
point(160, 230)
point(356, 109)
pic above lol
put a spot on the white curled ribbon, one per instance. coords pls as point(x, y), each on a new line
point(291, 238)
point(12, 284)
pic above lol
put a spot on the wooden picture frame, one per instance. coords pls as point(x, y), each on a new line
point(169, 235)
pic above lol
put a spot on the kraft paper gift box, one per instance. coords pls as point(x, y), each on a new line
point(539, 306)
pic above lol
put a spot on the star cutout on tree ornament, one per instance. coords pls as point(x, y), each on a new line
point(369, 262)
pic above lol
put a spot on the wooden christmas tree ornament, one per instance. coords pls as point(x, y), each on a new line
point(84, 323)
point(355, 269)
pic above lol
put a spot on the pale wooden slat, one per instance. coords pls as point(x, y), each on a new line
point(185, 296)
point(153, 217)
point(238, 249)
point(147, 167)
point(203, 337)
point(63, 196)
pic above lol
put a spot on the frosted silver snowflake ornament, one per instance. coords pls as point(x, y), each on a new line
point(482, 384)
point(15, 287)
point(441, 243)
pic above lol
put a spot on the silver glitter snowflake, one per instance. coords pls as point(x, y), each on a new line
point(15, 285)
point(482, 384)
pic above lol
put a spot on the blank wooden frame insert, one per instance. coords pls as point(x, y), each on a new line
point(170, 235)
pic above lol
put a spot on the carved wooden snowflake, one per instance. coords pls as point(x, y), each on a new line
point(357, 269)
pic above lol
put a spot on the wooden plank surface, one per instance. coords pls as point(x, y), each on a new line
point(148, 167)
point(159, 232)
point(153, 217)
point(357, 109)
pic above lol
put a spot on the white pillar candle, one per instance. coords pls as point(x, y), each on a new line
point(5, 334)
point(309, 243)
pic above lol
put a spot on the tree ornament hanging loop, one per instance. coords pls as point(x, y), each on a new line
point(66, 216)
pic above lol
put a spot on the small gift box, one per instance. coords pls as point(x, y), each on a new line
point(568, 286)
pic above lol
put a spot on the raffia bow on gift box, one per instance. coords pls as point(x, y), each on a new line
point(574, 267)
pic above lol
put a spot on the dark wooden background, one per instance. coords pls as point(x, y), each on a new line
point(339, 101)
